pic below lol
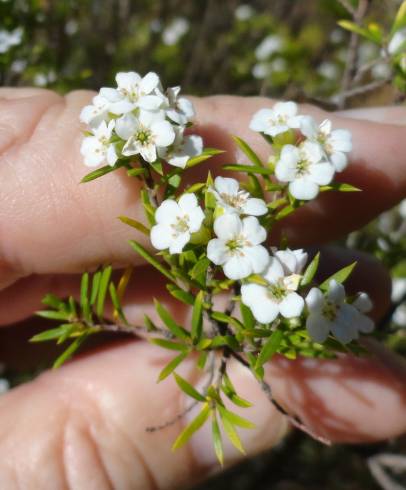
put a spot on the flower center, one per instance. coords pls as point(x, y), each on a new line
point(144, 136)
point(132, 94)
point(277, 291)
point(181, 225)
point(330, 310)
point(236, 245)
point(280, 119)
point(235, 201)
point(302, 167)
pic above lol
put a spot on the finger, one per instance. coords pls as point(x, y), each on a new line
point(20, 300)
point(43, 205)
point(85, 423)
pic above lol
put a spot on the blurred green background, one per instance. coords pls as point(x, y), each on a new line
point(279, 48)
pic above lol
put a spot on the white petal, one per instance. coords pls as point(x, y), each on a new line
point(255, 207)
point(344, 327)
point(237, 267)
point(179, 161)
point(179, 242)
point(193, 145)
point(304, 188)
point(291, 306)
point(339, 161)
point(364, 324)
point(227, 226)
point(187, 202)
point(132, 147)
point(217, 251)
point(196, 217)
point(258, 257)
point(315, 300)
point(111, 155)
point(336, 292)
point(186, 107)
point(127, 80)
point(226, 185)
point(149, 82)
point(126, 126)
point(253, 231)
point(260, 120)
point(341, 140)
point(301, 259)
point(161, 237)
point(167, 212)
point(318, 327)
point(325, 127)
point(164, 133)
point(363, 303)
point(308, 127)
point(274, 270)
point(286, 166)
point(150, 102)
point(321, 173)
point(285, 108)
point(288, 260)
point(256, 298)
point(148, 152)
point(312, 151)
point(110, 94)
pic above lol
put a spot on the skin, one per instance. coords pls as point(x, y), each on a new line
point(83, 426)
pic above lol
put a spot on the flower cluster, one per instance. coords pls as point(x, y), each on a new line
point(318, 153)
point(139, 119)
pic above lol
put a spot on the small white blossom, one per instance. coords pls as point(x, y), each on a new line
point(304, 169)
point(175, 30)
point(98, 148)
point(279, 296)
point(335, 143)
point(176, 221)
point(398, 42)
point(237, 248)
point(96, 112)
point(8, 39)
point(329, 70)
point(183, 148)
point(145, 135)
point(133, 91)
point(179, 109)
point(232, 199)
point(282, 117)
point(244, 12)
point(329, 313)
point(268, 46)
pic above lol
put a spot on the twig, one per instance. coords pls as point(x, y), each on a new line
point(369, 87)
point(132, 330)
point(348, 7)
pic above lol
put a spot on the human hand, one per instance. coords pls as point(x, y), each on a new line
point(83, 426)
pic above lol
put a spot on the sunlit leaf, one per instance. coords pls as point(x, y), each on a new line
point(188, 388)
point(340, 276)
point(134, 224)
point(310, 271)
point(172, 365)
point(269, 348)
point(193, 427)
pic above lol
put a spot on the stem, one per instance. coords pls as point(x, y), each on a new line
point(149, 182)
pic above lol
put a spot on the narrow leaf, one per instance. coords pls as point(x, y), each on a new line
point(193, 427)
point(168, 320)
point(152, 260)
point(217, 441)
point(103, 288)
point(269, 348)
point(136, 172)
point(248, 151)
point(168, 344)
point(134, 224)
point(311, 270)
point(95, 287)
point(340, 187)
point(171, 366)
point(207, 153)
point(248, 169)
point(188, 388)
point(68, 353)
point(53, 301)
point(247, 317)
point(231, 432)
point(235, 419)
point(54, 315)
point(181, 294)
point(51, 334)
point(340, 276)
point(197, 317)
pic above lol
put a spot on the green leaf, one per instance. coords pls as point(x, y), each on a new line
point(188, 388)
point(310, 271)
point(100, 172)
point(136, 172)
point(171, 366)
point(199, 268)
point(95, 287)
point(361, 31)
point(248, 151)
point(118, 310)
point(157, 167)
point(84, 297)
point(249, 169)
point(225, 340)
point(181, 294)
point(217, 441)
point(230, 392)
point(235, 419)
point(400, 19)
point(54, 315)
point(51, 334)
point(148, 207)
point(197, 318)
point(201, 362)
point(269, 348)
point(134, 224)
point(247, 317)
point(193, 427)
point(151, 260)
point(340, 276)
point(68, 353)
point(227, 319)
point(231, 432)
point(175, 180)
point(195, 187)
point(167, 344)
point(166, 317)
point(53, 301)
point(340, 187)
point(103, 288)
point(205, 155)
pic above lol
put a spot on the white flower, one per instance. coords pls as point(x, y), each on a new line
point(179, 109)
point(98, 148)
point(330, 313)
point(183, 148)
point(175, 30)
point(282, 117)
point(398, 42)
point(176, 221)
point(279, 296)
point(8, 39)
point(145, 135)
point(132, 92)
point(237, 247)
point(233, 200)
point(335, 143)
point(96, 112)
point(304, 169)
point(244, 12)
point(268, 46)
